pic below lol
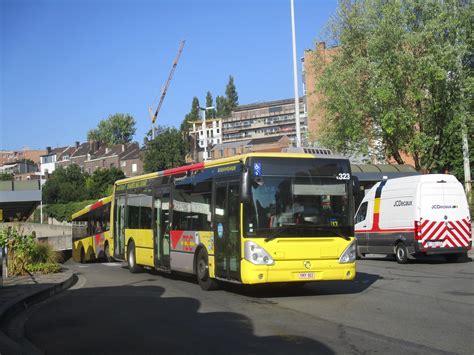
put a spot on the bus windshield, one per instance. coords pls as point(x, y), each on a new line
point(298, 206)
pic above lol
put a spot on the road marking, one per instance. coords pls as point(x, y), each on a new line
point(112, 264)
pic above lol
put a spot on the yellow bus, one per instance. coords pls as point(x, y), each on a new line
point(91, 236)
point(250, 219)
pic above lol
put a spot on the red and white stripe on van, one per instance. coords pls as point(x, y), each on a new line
point(443, 234)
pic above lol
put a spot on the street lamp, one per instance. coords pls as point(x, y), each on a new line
point(295, 77)
point(204, 109)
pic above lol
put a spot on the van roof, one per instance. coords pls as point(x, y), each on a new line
point(422, 178)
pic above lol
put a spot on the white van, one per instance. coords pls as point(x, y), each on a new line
point(409, 216)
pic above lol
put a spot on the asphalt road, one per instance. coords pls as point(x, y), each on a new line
point(426, 307)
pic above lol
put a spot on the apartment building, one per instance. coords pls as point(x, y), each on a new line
point(202, 137)
point(264, 119)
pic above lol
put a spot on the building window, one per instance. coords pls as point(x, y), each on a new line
point(134, 168)
point(123, 164)
point(217, 130)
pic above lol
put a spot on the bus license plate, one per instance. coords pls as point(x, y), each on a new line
point(306, 275)
point(434, 244)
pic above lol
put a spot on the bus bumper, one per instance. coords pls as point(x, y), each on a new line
point(294, 271)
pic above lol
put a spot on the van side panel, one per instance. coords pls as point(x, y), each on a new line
point(393, 218)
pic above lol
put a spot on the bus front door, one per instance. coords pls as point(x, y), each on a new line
point(227, 230)
point(161, 240)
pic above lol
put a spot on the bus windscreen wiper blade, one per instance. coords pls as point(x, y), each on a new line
point(282, 229)
point(327, 229)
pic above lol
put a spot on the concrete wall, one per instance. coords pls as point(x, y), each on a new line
point(60, 237)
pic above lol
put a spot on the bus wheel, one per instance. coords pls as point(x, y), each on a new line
point(132, 260)
point(83, 256)
point(202, 272)
point(108, 258)
point(401, 253)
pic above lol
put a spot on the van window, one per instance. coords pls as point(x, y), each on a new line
point(361, 213)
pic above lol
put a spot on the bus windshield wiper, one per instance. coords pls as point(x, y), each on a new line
point(280, 230)
point(327, 229)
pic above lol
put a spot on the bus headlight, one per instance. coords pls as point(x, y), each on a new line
point(349, 255)
point(256, 254)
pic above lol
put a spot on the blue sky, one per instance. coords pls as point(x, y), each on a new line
point(67, 64)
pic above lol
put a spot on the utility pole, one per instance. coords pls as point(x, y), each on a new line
point(295, 77)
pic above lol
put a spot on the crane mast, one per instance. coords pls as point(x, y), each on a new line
point(154, 115)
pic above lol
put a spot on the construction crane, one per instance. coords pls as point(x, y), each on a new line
point(154, 114)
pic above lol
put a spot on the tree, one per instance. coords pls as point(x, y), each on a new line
point(166, 151)
point(6, 176)
point(193, 115)
point(210, 103)
point(65, 185)
point(400, 81)
point(232, 98)
point(116, 129)
point(98, 185)
point(220, 107)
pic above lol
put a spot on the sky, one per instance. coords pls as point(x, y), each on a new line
point(67, 64)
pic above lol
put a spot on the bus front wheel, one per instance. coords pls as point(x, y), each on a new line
point(202, 272)
point(132, 260)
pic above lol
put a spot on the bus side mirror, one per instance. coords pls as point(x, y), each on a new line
point(246, 184)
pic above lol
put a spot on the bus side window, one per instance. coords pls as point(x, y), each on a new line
point(361, 213)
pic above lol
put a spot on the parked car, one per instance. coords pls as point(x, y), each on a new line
point(411, 216)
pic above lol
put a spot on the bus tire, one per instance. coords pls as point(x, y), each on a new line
point(401, 253)
point(202, 272)
point(132, 259)
point(107, 256)
point(83, 256)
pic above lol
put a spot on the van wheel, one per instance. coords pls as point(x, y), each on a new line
point(202, 272)
point(401, 253)
point(132, 259)
point(454, 258)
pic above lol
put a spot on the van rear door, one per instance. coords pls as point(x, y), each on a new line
point(444, 217)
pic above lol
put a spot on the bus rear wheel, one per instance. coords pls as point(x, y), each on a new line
point(132, 260)
point(83, 256)
point(202, 272)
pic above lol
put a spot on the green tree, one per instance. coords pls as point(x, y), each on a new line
point(400, 81)
point(166, 151)
point(99, 183)
point(193, 115)
point(65, 185)
point(6, 176)
point(231, 97)
point(220, 107)
point(116, 129)
point(210, 103)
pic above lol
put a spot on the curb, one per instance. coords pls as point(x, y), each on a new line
point(23, 303)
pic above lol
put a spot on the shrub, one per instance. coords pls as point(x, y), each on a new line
point(43, 253)
point(26, 254)
point(43, 268)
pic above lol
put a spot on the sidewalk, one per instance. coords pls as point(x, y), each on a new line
point(21, 292)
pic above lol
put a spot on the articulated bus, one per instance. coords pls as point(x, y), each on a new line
point(91, 233)
point(250, 219)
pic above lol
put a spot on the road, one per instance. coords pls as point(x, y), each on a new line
point(426, 307)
